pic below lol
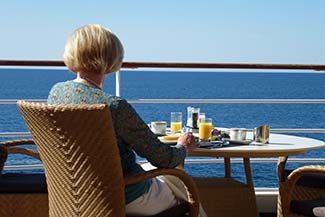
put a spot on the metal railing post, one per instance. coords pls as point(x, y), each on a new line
point(117, 83)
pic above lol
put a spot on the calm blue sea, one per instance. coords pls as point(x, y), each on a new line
point(36, 83)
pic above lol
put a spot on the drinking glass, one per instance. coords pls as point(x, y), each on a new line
point(176, 121)
point(205, 128)
point(201, 117)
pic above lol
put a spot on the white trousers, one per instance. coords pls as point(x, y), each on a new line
point(165, 192)
point(157, 199)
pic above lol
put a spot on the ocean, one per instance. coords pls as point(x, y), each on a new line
point(22, 83)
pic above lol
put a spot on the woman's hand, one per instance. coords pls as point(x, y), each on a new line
point(188, 141)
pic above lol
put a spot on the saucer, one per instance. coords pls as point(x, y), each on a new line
point(240, 142)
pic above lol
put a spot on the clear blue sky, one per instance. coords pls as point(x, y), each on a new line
point(247, 31)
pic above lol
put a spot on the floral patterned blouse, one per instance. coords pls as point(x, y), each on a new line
point(133, 135)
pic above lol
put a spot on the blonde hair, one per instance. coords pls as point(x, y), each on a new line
point(92, 48)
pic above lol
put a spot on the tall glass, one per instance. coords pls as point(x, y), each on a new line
point(176, 122)
point(201, 117)
point(205, 128)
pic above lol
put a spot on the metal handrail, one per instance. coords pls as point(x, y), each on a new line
point(57, 63)
point(14, 134)
point(204, 101)
point(229, 101)
point(194, 161)
point(14, 101)
point(280, 130)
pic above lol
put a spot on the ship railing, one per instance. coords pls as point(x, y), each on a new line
point(203, 101)
point(192, 161)
point(174, 65)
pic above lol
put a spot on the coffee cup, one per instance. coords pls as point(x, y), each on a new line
point(158, 127)
point(237, 134)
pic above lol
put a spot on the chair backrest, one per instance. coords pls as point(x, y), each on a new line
point(78, 148)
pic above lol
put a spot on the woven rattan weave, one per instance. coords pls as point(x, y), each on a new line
point(226, 197)
point(78, 148)
point(22, 204)
point(289, 190)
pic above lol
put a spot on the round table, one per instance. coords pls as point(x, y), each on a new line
point(279, 145)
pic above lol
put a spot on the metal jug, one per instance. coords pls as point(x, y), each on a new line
point(262, 134)
point(192, 119)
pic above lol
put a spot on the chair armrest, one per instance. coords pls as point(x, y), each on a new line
point(192, 192)
point(11, 144)
point(292, 180)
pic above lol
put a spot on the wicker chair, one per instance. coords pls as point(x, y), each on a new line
point(22, 194)
point(78, 148)
point(300, 190)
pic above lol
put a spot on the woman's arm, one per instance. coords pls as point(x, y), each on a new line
point(135, 132)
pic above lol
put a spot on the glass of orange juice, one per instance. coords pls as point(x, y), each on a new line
point(205, 127)
point(176, 122)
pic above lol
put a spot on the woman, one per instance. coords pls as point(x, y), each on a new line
point(91, 53)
